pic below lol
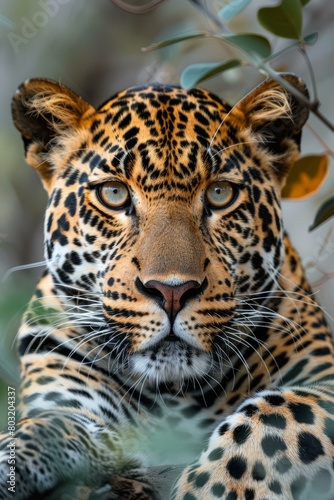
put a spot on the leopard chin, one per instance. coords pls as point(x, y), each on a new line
point(170, 362)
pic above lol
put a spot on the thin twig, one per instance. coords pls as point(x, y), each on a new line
point(143, 9)
point(311, 72)
point(327, 149)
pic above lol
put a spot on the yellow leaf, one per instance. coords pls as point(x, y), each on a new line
point(306, 177)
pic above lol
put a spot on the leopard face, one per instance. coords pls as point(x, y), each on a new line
point(163, 216)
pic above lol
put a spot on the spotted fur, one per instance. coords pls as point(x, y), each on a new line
point(167, 322)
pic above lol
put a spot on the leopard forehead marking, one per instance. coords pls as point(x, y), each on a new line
point(163, 138)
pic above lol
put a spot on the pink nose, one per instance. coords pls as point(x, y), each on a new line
point(172, 297)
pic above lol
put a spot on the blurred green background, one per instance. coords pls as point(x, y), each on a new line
point(95, 48)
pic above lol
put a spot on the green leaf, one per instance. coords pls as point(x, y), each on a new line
point(306, 177)
point(199, 72)
point(175, 39)
point(285, 20)
point(311, 38)
point(232, 9)
point(304, 2)
point(250, 43)
point(325, 212)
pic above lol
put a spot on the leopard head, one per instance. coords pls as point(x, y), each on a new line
point(163, 212)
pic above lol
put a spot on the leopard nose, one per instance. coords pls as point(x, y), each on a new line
point(172, 297)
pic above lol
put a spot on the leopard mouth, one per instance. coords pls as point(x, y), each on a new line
point(169, 343)
point(171, 337)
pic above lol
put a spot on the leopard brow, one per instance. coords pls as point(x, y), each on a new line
point(125, 151)
point(218, 160)
point(106, 161)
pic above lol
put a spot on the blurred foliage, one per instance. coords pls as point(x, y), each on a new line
point(325, 212)
point(15, 293)
point(306, 177)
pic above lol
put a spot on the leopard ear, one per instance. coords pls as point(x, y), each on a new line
point(277, 117)
point(43, 110)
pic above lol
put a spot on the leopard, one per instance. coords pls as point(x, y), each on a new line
point(173, 323)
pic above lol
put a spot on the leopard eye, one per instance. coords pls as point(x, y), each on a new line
point(113, 194)
point(220, 194)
